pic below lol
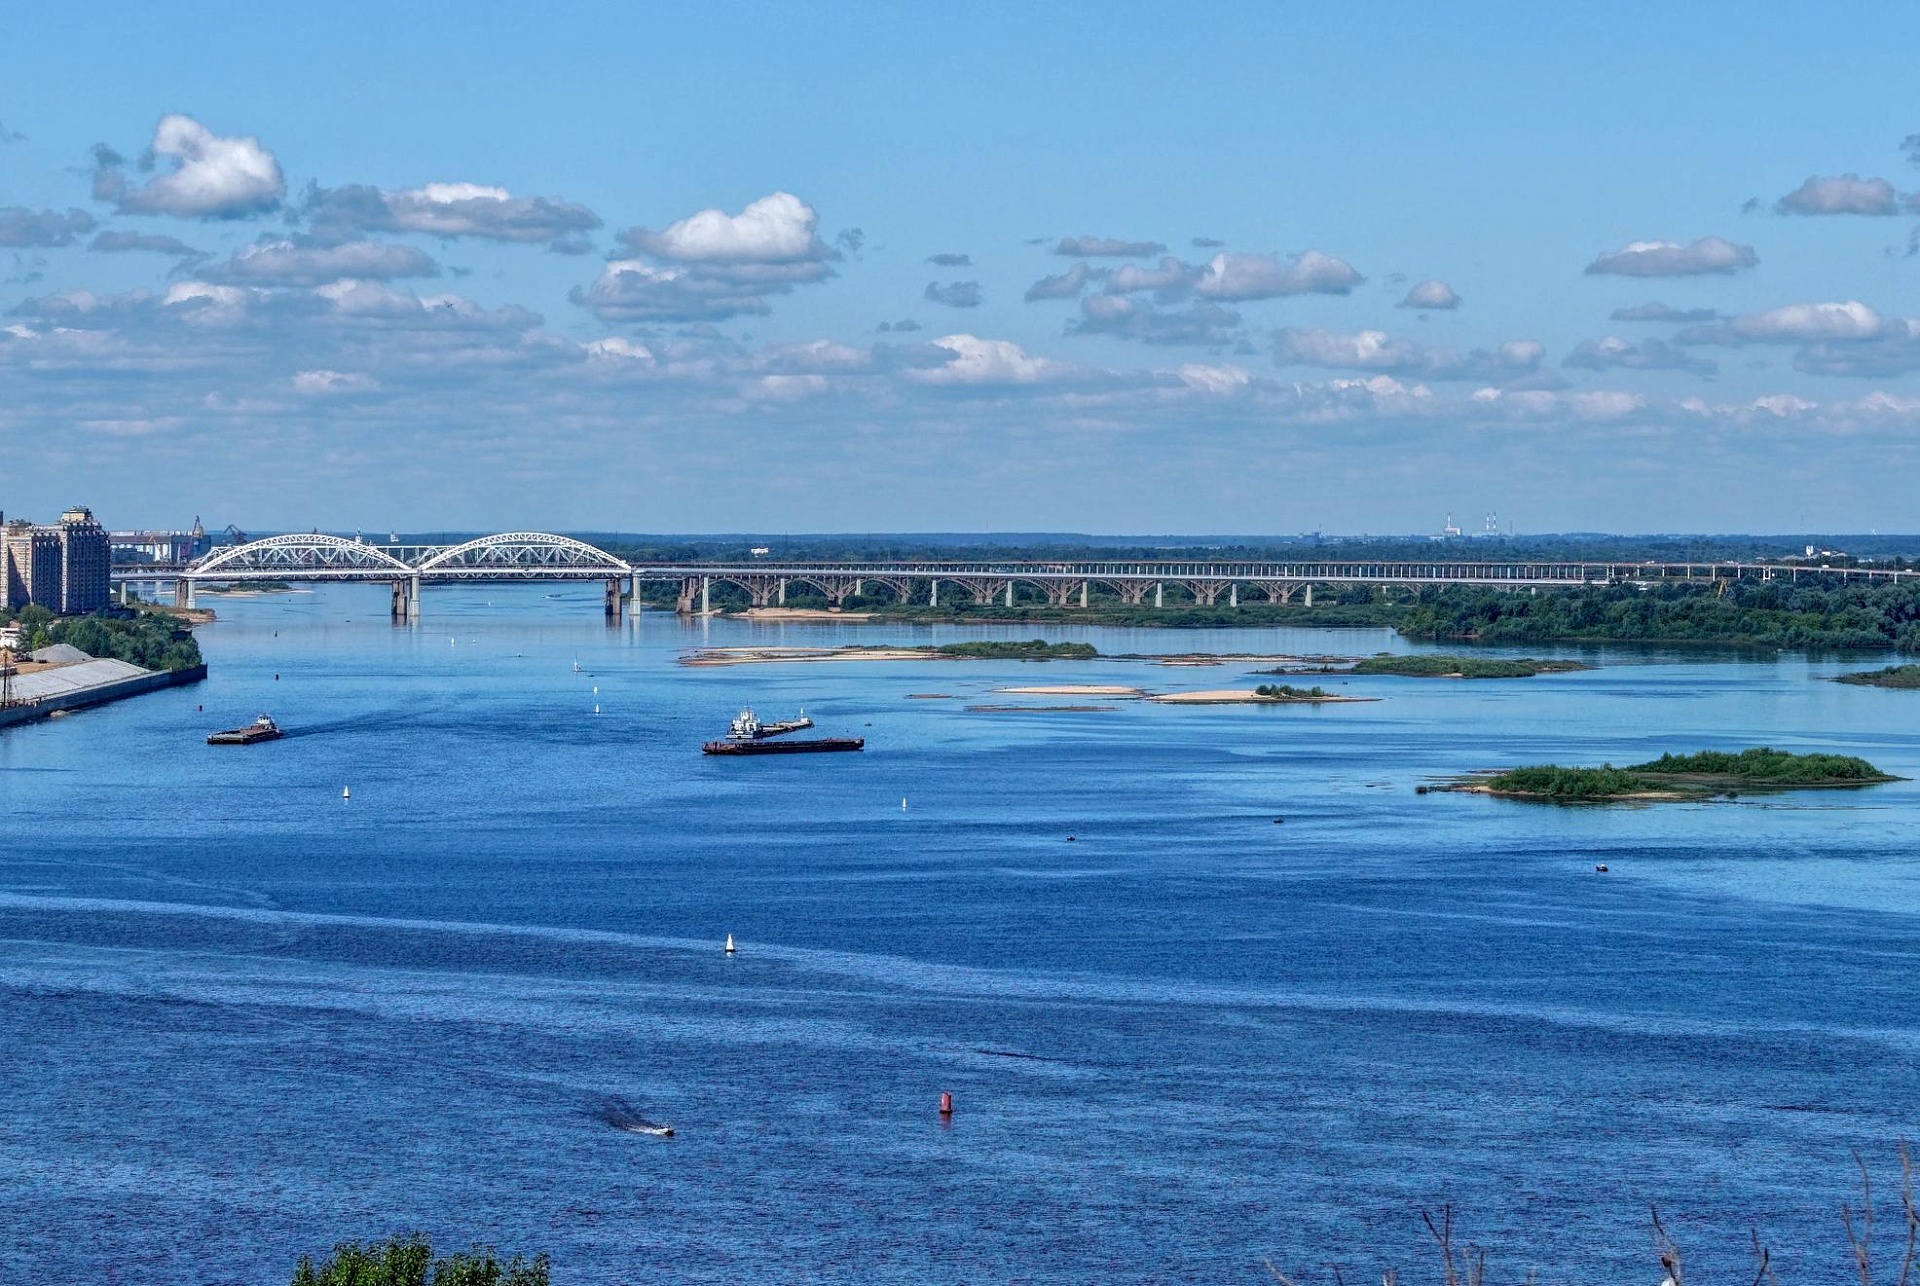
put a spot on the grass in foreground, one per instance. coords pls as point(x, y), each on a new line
point(1430, 666)
point(1694, 776)
point(409, 1261)
point(1894, 676)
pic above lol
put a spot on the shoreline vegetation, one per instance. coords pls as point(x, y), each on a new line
point(1893, 676)
point(1429, 665)
point(1671, 778)
point(150, 640)
point(1814, 613)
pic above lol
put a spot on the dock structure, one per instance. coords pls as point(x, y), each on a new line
point(541, 556)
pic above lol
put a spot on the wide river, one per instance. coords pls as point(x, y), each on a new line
point(244, 1018)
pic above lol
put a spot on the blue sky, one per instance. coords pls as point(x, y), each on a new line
point(615, 267)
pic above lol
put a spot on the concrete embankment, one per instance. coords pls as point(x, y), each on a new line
point(87, 683)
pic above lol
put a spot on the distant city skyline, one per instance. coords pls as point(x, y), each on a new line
point(1235, 270)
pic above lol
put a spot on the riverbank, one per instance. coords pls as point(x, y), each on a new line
point(59, 689)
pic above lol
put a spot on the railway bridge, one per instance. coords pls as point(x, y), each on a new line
point(542, 556)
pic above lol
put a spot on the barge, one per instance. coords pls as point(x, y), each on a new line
point(261, 729)
point(811, 745)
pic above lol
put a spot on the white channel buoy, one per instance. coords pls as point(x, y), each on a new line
point(730, 950)
point(346, 792)
point(903, 803)
point(596, 709)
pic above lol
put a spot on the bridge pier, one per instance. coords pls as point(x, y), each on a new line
point(183, 593)
point(933, 595)
point(1233, 595)
point(1309, 599)
point(1159, 594)
point(613, 599)
point(783, 591)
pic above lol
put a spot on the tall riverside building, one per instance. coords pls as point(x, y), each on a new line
point(86, 563)
point(66, 568)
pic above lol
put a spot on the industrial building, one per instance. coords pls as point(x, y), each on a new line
point(66, 568)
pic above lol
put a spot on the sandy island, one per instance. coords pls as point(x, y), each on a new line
point(791, 655)
point(796, 614)
point(1246, 696)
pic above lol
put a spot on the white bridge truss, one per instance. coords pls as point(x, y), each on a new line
point(510, 556)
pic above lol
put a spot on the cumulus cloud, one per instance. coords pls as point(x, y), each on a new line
point(1657, 312)
point(325, 381)
point(1107, 247)
point(1220, 380)
point(713, 266)
point(288, 263)
point(1610, 353)
point(951, 260)
point(449, 210)
point(906, 324)
point(1241, 275)
point(1792, 324)
point(1672, 259)
point(1066, 285)
point(213, 176)
point(985, 362)
point(21, 228)
point(1893, 350)
point(115, 242)
point(1373, 350)
point(776, 229)
point(1203, 323)
point(1433, 295)
point(955, 294)
point(1169, 278)
point(1841, 194)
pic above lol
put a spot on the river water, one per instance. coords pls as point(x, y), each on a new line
point(244, 1017)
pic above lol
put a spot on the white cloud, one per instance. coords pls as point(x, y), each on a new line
point(1233, 275)
point(1672, 259)
point(1169, 277)
point(1841, 194)
point(1203, 323)
point(325, 381)
point(1434, 295)
point(776, 229)
point(1107, 247)
point(1214, 379)
point(213, 176)
point(475, 210)
point(616, 348)
point(1612, 353)
point(285, 263)
point(985, 362)
point(21, 228)
point(1375, 350)
point(1791, 324)
point(1065, 285)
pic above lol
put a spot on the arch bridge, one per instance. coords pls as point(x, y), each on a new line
point(543, 556)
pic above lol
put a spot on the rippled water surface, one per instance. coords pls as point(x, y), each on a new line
point(244, 1017)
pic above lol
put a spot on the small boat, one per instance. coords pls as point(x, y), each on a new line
point(647, 1127)
point(621, 1115)
point(261, 729)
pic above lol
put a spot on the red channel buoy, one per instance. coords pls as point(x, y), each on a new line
point(946, 1103)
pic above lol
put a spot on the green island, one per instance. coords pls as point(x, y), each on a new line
point(151, 640)
point(1434, 666)
point(1894, 676)
point(1287, 692)
point(1679, 777)
point(1030, 650)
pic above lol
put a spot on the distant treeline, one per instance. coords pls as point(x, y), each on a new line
point(1753, 613)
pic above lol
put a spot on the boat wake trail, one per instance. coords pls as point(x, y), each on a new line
point(621, 1115)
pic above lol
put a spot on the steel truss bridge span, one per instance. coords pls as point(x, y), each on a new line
point(542, 556)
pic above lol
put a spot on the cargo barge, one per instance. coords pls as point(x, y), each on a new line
point(261, 729)
point(746, 735)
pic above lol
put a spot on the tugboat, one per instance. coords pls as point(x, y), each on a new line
point(746, 735)
point(747, 727)
point(261, 729)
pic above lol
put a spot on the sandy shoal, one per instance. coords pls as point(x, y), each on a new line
point(1075, 690)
